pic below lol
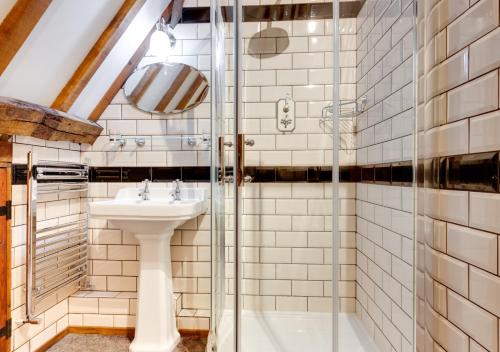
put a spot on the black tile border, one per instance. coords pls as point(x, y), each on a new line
point(306, 11)
point(471, 172)
point(478, 172)
point(265, 174)
point(19, 173)
point(395, 174)
point(284, 12)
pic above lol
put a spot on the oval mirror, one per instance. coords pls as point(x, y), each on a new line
point(166, 88)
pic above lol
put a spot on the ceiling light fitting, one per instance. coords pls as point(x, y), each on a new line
point(162, 40)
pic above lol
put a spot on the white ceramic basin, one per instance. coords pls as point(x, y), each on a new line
point(153, 223)
point(158, 214)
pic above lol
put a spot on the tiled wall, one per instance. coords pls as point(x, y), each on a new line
point(457, 231)
point(114, 262)
point(295, 58)
point(166, 142)
point(287, 226)
point(384, 262)
point(286, 254)
point(113, 253)
point(385, 134)
point(52, 311)
point(287, 247)
point(304, 66)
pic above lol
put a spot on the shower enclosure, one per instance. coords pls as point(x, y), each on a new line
point(312, 194)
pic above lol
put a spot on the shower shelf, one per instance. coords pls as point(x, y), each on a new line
point(349, 109)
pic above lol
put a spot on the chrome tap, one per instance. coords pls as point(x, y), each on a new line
point(176, 194)
point(144, 194)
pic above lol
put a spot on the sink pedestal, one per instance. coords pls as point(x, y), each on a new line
point(156, 329)
point(153, 222)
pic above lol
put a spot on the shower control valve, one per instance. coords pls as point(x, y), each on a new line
point(285, 114)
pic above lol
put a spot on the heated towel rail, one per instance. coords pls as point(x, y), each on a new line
point(56, 245)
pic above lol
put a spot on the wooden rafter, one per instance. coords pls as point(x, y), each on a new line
point(22, 118)
point(126, 71)
point(17, 26)
point(97, 54)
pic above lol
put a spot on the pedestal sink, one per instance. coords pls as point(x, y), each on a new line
point(153, 222)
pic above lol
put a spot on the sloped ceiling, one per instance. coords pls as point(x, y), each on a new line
point(5, 6)
point(76, 53)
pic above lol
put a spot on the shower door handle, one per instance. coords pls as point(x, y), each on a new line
point(249, 142)
point(222, 161)
point(239, 170)
point(240, 157)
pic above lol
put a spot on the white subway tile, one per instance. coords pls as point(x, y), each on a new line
point(447, 270)
point(472, 246)
point(307, 255)
point(485, 54)
point(291, 239)
point(275, 287)
point(275, 255)
point(292, 77)
point(484, 131)
point(484, 289)
point(476, 322)
point(307, 288)
point(308, 60)
point(484, 210)
point(291, 303)
point(474, 98)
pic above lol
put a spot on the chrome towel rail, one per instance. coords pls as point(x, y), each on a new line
point(56, 256)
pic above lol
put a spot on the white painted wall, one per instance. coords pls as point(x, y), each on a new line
point(118, 57)
point(55, 48)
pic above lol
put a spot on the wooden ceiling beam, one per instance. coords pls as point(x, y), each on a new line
point(126, 71)
point(97, 54)
point(26, 119)
point(17, 26)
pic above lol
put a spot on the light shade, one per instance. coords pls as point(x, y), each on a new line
point(159, 44)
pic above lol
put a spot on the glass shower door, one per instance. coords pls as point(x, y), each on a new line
point(222, 332)
point(287, 172)
point(274, 238)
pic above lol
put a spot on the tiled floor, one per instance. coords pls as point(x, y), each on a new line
point(100, 343)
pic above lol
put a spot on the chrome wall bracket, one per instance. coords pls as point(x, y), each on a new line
point(121, 141)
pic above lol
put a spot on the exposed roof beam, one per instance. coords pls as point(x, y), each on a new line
point(17, 26)
point(26, 119)
point(97, 54)
point(126, 71)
